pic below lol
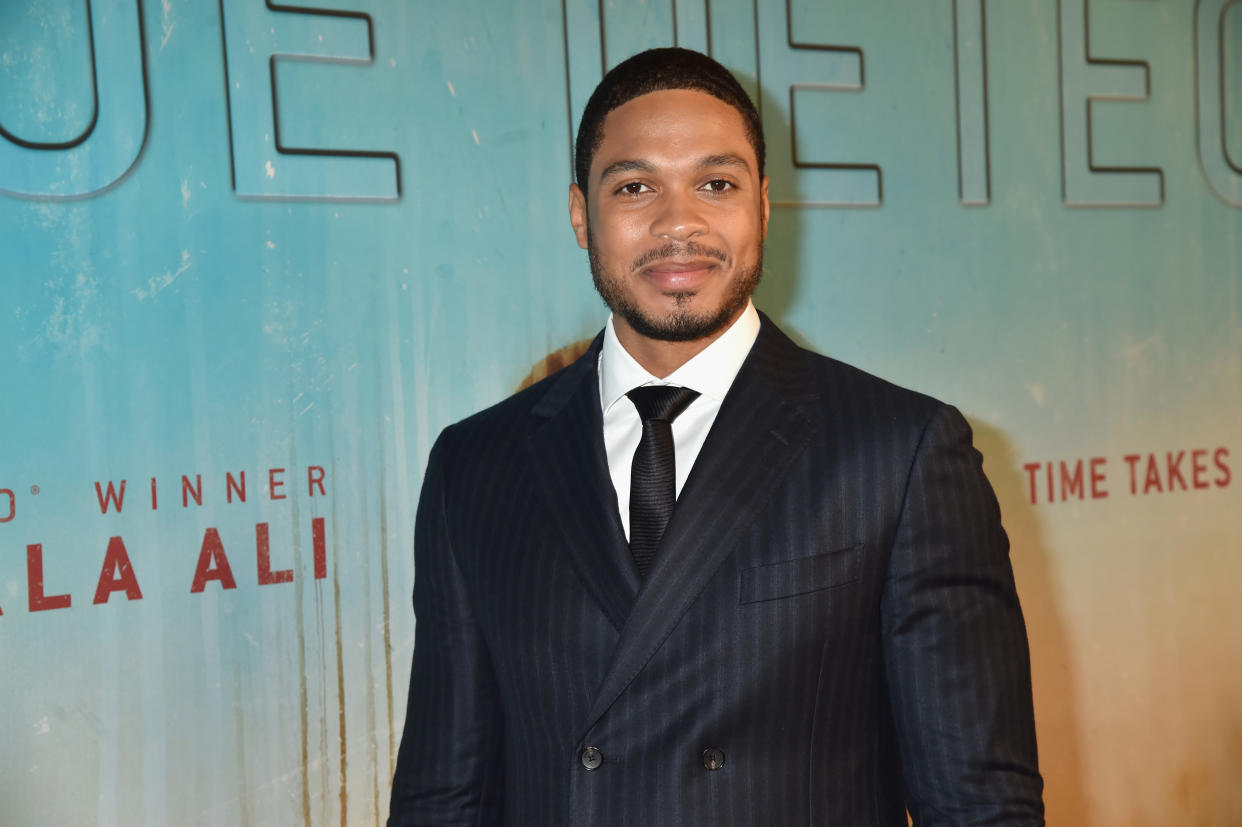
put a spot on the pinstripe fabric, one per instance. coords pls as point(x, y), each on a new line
point(832, 606)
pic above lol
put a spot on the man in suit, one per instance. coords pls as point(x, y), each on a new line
point(701, 575)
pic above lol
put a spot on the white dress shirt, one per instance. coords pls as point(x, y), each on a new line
point(710, 372)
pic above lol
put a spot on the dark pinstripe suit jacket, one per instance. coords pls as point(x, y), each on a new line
point(832, 608)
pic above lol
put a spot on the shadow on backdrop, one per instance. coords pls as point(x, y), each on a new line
point(778, 289)
point(1056, 709)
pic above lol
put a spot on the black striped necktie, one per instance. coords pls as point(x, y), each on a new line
point(653, 477)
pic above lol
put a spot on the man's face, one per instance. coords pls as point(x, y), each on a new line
point(676, 216)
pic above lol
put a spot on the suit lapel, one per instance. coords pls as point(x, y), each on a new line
point(567, 452)
point(761, 427)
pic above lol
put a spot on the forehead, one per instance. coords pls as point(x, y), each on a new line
point(670, 127)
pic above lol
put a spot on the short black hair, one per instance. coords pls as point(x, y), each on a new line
point(657, 70)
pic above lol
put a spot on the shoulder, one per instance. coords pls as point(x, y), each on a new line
point(855, 416)
point(507, 423)
point(875, 412)
point(844, 378)
point(880, 412)
point(843, 393)
point(873, 434)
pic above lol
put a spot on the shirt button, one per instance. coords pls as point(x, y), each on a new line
point(713, 758)
point(591, 758)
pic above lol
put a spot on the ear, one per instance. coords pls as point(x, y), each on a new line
point(578, 214)
point(765, 208)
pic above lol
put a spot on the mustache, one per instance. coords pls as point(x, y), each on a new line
point(688, 250)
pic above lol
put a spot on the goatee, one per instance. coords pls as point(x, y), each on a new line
point(682, 324)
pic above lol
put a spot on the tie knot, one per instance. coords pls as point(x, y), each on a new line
point(664, 402)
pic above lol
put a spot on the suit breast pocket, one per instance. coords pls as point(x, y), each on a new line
point(801, 576)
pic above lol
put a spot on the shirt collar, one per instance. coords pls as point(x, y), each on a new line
point(710, 372)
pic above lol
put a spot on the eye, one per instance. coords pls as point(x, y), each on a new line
point(633, 188)
point(719, 185)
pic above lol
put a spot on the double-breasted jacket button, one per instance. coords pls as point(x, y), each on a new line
point(713, 758)
point(591, 758)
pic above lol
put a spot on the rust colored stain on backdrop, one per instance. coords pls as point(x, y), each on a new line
point(554, 361)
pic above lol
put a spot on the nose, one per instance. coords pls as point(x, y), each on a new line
point(679, 218)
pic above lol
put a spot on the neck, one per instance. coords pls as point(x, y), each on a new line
point(659, 357)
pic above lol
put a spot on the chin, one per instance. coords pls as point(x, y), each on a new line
point(680, 325)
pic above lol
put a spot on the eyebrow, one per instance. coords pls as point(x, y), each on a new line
point(726, 159)
point(630, 165)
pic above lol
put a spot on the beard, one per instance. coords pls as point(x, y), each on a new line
point(683, 323)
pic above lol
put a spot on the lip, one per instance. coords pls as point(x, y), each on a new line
point(679, 274)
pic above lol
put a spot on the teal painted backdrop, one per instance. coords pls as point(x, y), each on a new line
point(275, 248)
